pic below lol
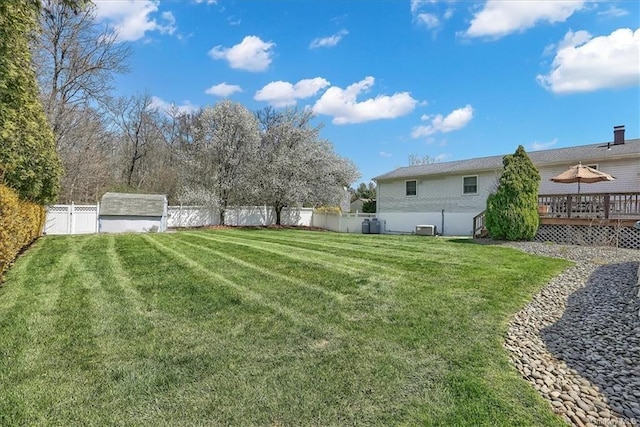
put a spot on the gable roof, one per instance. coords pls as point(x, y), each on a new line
point(123, 204)
point(582, 153)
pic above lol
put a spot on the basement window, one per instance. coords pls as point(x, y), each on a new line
point(411, 188)
point(470, 185)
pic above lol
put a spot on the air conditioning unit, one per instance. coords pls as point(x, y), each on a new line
point(426, 230)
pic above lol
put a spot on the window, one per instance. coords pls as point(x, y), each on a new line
point(593, 166)
point(411, 188)
point(470, 185)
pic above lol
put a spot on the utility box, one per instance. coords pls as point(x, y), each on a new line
point(426, 230)
point(374, 226)
point(366, 229)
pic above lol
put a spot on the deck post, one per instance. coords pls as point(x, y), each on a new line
point(607, 205)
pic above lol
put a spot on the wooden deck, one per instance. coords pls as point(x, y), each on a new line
point(600, 210)
point(610, 206)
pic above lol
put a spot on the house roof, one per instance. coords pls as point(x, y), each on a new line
point(123, 204)
point(572, 155)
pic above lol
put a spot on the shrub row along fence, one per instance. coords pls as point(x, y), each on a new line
point(20, 224)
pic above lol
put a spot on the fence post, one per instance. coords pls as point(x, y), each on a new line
point(70, 218)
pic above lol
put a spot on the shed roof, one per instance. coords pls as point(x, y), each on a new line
point(123, 204)
point(572, 155)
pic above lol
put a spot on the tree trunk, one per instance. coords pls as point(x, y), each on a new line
point(221, 212)
point(278, 214)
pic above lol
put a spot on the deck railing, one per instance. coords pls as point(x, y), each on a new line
point(479, 230)
point(600, 205)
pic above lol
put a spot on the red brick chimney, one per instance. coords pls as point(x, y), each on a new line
point(618, 135)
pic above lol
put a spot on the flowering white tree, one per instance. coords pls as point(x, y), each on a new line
point(220, 164)
point(296, 165)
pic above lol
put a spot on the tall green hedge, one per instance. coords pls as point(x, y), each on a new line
point(20, 224)
point(512, 211)
point(29, 162)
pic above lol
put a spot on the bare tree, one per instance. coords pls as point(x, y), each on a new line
point(75, 60)
point(138, 125)
point(88, 162)
point(416, 160)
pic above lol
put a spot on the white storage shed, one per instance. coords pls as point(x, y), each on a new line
point(141, 213)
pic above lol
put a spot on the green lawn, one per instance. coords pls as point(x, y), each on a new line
point(265, 327)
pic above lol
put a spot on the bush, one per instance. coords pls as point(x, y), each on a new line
point(369, 206)
point(512, 212)
point(20, 224)
point(29, 162)
point(328, 210)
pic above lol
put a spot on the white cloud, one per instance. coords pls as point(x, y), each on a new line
point(584, 64)
point(448, 13)
point(614, 12)
point(499, 18)
point(385, 154)
point(282, 94)
point(537, 146)
point(343, 106)
point(416, 5)
point(207, 1)
point(456, 120)
point(133, 19)
point(251, 54)
point(164, 106)
point(170, 23)
point(428, 19)
point(328, 41)
point(223, 89)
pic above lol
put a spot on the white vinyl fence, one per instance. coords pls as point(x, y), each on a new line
point(342, 223)
point(83, 219)
point(71, 219)
point(195, 216)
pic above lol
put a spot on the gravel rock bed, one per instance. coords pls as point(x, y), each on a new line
point(578, 341)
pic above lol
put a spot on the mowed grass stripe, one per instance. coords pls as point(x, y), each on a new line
point(360, 298)
point(263, 270)
point(407, 258)
point(401, 244)
point(124, 281)
point(344, 281)
point(243, 291)
point(354, 242)
point(315, 304)
point(323, 259)
point(62, 340)
point(27, 305)
point(365, 285)
point(36, 297)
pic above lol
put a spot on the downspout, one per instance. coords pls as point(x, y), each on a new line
point(384, 228)
point(442, 224)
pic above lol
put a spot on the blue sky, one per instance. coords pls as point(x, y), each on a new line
point(448, 79)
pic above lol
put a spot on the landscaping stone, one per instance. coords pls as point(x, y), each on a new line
point(579, 338)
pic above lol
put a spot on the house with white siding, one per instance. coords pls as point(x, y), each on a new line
point(450, 194)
